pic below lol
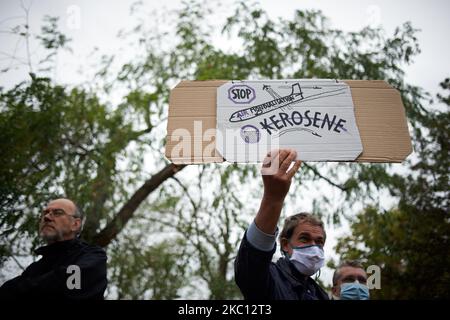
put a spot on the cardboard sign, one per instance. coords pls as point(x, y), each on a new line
point(314, 117)
point(378, 111)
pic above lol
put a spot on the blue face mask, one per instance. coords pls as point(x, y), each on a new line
point(354, 291)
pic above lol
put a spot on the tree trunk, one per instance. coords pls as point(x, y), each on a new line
point(105, 236)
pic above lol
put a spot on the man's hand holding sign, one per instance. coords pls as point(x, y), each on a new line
point(277, 174)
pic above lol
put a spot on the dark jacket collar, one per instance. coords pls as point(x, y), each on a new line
point(56, 247)
point(291, 273)
point(298, 280)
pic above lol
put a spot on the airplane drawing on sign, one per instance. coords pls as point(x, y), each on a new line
point(279, 102)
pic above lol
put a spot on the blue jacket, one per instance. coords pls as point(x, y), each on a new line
point(259, 278)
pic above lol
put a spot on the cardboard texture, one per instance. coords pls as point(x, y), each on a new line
point(378, 110)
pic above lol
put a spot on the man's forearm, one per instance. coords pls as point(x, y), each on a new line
point(276, 186)
point(269, 213)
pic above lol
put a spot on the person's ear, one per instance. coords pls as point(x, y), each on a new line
point(284, 245)
point(76, 224)
point(335, 291)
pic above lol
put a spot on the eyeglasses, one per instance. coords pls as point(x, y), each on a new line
point(55, 213)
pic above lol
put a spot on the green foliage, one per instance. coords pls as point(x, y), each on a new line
point(155, 271)
point(213, 215)
point(411, 242)
point(80, 143)
point(411, 246)
point(50, 36)
point(52, 40)
point(59, 142)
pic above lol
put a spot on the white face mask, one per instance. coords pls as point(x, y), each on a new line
point(308, 259)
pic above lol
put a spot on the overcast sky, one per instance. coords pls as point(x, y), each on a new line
point(100, 21)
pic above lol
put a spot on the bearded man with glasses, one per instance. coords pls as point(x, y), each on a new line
point(69, 268)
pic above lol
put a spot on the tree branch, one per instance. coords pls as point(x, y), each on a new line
point(104, 237)
point(194, 205)
point(18, 263)
point(324, 178)
point(27, 34)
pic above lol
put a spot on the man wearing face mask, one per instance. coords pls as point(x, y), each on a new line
point(350, 282)
point(301, 240)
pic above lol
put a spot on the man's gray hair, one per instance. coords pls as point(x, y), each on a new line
point(346, 263)
point(79, 214)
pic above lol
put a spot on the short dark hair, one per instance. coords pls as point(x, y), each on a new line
point(291, 222)
point(346, 263)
